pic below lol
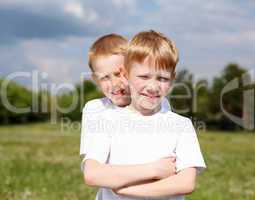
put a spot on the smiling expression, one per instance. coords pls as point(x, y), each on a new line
point(148, 86)
point(108, 74)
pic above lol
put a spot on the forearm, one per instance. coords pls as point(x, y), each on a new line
point(179, 184)
point(116, 176)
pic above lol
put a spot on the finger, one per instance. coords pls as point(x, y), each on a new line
point(123, 75)
point(170, 158)
point(167, 157)
point(173, 159)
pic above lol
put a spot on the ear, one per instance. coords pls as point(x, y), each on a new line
point(96, 81)
point(94, 78)
point(173, 76)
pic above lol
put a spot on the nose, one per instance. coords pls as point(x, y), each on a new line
point(115, 82)
point(153, 87)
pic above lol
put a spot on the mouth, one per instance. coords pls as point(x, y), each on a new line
point(150, 96)
point(119, 92)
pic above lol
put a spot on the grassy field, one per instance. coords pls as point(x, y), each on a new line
point(41, 161)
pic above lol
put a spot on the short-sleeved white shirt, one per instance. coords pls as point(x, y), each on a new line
point(97, 106)
point(131, 138)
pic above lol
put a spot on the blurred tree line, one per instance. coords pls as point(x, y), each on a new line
point(198, 99)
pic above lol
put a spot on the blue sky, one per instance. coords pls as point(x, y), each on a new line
point(53, 36)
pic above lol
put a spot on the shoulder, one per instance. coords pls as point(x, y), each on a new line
point(96, 105)
point(178, 121)
point(165, 101)
point(176, 117)
point(165, 106)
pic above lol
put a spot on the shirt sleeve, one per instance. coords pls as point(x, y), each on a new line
point(188, 153)
point(165, 106)
point(94, 143)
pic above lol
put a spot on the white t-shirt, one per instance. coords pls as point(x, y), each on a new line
point(98, 106)
point(130, 138)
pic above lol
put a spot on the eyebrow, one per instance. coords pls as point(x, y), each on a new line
point(101, 75)
point(164, 75)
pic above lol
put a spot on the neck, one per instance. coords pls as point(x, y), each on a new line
point(144, 111)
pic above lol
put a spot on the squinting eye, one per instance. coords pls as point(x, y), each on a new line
point(163, 79)
point(144, 77)
point(117, 74)
point(104, 78)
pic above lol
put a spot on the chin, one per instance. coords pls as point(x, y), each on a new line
point(149, 106)
point(121, 102)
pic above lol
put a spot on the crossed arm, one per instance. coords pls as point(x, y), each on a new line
point(141, 180)
point(117, 176)
point(179, 184)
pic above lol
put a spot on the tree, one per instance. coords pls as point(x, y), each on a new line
point(232, 101)
point(82, 93)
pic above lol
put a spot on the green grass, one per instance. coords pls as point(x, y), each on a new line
point(39, 161)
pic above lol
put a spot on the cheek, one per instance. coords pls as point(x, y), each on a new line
point(121, 81)
point(136, 84)
point(165, 87)
point(105, 86)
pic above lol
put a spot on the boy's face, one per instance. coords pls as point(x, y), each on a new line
point(148, 86)
point(108, 74)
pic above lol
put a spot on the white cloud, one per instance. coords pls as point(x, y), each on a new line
point(208, 34)
point(127, 4)
point(76, 9)
point(63, 61)
point(243, 37)
point(57, 69)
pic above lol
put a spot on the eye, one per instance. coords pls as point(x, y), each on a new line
point(163, 79)
point(144, 77)
point(104, 78)
point(117, 74)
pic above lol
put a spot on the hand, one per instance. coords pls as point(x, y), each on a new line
point(124, 192)
point(165, 167)
point(123, 75)
point(115, 191)
point(118, 191)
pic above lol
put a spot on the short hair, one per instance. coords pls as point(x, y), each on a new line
point(161, 51)
point(111, 44)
